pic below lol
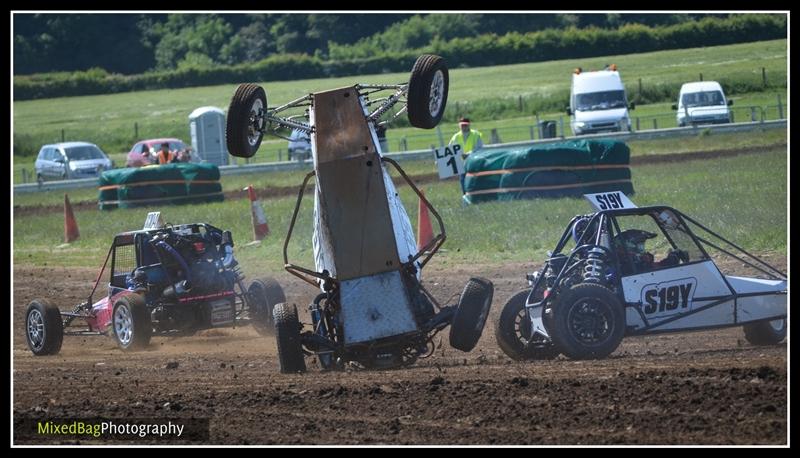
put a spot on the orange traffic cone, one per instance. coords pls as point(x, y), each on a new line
point(424, 228)
point(260, 227)
point(70, 225)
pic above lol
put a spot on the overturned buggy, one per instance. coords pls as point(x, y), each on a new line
point(373, 310)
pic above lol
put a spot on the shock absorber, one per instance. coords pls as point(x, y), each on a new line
point(594, 269)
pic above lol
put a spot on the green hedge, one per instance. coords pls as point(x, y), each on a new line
point(483, 50)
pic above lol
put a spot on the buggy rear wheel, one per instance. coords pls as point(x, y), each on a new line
point(131, 323)
point(765, 332)
point(427, 91)
point(514, 331)
point(264, 293)
point(246, 120)
point(44, 330)
point(587, 322)
point(287, 334)
point(470, 316)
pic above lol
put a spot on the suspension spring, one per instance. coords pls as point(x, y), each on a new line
point(594, 268)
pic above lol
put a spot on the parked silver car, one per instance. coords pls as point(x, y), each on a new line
point(70, 160)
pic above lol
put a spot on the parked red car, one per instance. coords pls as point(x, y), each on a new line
point(138, 158)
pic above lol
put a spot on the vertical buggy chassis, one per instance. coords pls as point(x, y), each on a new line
point(373, 309)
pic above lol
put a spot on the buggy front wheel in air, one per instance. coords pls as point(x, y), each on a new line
point(586, 321)
point(765, 332)
point(131, 323)
point(44, 330)
point(427, 91)
point(471, 313)
point(514, 332)
point(246, 120)
point(264, 293)
point(287, 334)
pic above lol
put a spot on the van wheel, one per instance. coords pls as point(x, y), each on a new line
point(427, 91)
point(246, 120)
point(765, 332)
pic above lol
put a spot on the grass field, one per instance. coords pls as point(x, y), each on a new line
point(700, 142)
point(108, 120)
point(744, 198)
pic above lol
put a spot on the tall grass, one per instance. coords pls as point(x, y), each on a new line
point(744, 198)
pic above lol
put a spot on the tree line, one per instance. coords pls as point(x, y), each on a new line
point(138, 43)
point(374, 54)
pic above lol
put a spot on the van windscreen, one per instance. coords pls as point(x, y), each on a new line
point(702, 99)
point(605, 100)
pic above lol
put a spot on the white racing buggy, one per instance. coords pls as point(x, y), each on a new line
point(600, 284)
point(373, 310)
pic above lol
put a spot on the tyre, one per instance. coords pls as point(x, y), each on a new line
point(470, 317)
point(587, 321)
point(246, 122)
point(265, 293)
point(44, 330)
point(514, 330)
point(765, 332)
point(427, 91)
point(131, 323)
point(287, 334)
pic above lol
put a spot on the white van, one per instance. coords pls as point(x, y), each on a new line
point(702, 102)
point(598, 102)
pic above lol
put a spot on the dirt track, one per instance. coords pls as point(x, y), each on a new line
point(691, 388)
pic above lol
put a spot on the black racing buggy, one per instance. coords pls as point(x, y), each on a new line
point(171, 280)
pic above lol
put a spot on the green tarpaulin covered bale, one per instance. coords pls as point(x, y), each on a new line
point(568, 168)
point(159, 184)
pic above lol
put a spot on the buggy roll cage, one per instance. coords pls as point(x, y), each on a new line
point(428, 250)
point(591, 239)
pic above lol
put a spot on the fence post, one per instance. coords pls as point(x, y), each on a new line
point(135, 131)
point(403, 144)
point(280, 155)
point(701, 77)
point(561, 123)
point(753, 114)
point(62, 135)
point(780, 108)
point(532, 129)
point(520, 103)
point(655, 124)
point(637, 123)
point(24, 175)
point(439, 133)
point(640, 88)
point(764, 76)
point(495, 137)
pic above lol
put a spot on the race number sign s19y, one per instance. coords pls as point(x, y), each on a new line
point(449, 161)
point(613, 200)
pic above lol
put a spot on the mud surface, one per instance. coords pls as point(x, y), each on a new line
point(707, 387)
